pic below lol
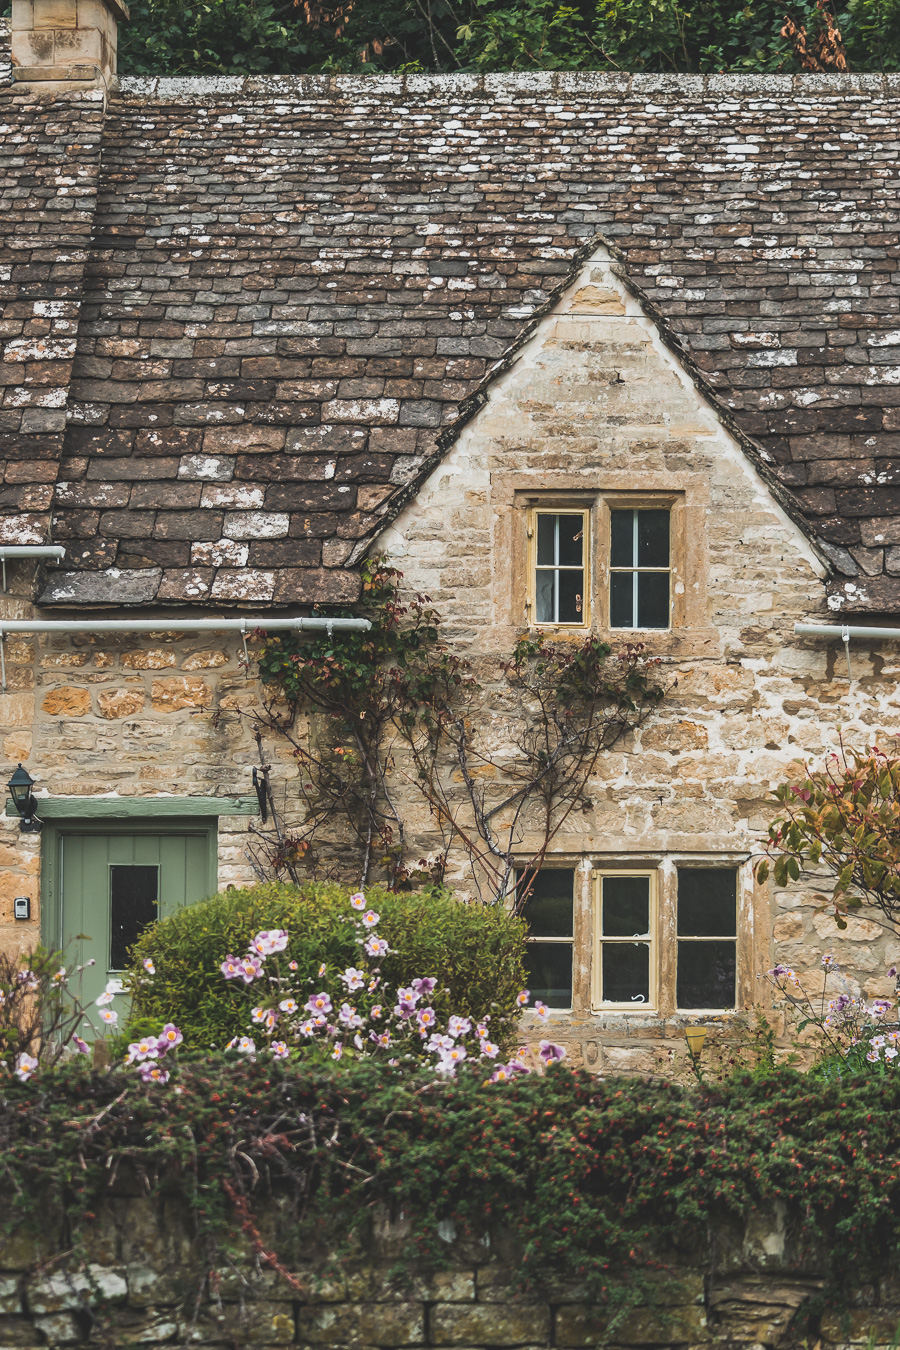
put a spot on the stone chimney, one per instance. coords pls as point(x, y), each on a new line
point(65, 44)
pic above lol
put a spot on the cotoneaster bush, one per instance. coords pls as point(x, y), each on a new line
point(594, 1179)
point(473, 952)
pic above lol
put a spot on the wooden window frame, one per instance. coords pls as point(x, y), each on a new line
point(552, 508)
point(598, 1004)
point(674, 503)
point(635, 572)
point(736, 939)
point(560, 941)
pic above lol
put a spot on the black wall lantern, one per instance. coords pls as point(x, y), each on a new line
point(20, 785)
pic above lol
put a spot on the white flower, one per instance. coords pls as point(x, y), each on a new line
point(353, 978)
point(149, 966)
point(109, 1016)
point(25, 1066)
point(358, 901)
point(104, 998)
point(370, 918)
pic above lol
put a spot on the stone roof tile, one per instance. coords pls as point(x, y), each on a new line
point(297, 287)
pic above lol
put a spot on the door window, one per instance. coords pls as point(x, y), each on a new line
point(113, 884)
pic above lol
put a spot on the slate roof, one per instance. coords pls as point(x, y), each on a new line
point(296, 287)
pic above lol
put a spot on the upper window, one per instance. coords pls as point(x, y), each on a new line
point(560, 552)
point(640, 565)
point(548, 909)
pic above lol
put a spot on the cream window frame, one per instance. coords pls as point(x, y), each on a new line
point(669, 571)
point(598, 1004)
point(720, 937)
point(587, 556)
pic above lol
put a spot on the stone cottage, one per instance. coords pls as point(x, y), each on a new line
point(580, 352)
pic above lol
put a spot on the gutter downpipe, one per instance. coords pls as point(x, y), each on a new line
point(221, 625)
point(844, 634)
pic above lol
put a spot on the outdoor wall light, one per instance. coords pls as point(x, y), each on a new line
point(695, 1036)
point(20, 785)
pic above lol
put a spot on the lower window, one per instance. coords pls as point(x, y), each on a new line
point(625, 924)
point(707, 938)
point(547, 905)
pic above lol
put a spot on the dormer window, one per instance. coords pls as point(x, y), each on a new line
point(639, 568)
point(560, 547)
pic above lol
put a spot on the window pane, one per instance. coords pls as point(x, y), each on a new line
point(621, 553)
point(706, 974)
point(571, 597)
point(548, 969)
point(548, 909)
point(707, 902)
point(544, 597)
point(626, 906)
point(626, 972)
point(653, 600)
point(653, 539)
point(621, 606)
point(571, 540)
point(546, 540)
point(133, 895)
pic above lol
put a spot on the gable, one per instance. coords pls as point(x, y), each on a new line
point(597, 408)
point(298, 289)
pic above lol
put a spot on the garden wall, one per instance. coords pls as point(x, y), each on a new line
point(141, 1278)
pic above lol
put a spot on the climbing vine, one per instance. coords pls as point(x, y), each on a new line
point(387, 722)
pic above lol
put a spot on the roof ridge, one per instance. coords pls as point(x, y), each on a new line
point(465, 85)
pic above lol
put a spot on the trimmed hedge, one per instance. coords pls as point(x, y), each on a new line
point(475, 952)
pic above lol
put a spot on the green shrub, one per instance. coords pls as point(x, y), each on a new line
point(475, 953)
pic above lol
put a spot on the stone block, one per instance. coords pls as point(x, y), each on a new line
point(861, 1326)
point(179, 692)
point(506, 1324)
point(18, 1331)
point(59, 1329)
point(67, 701)
point(664, 1326)
point(10, 1294)
point(64, 1290)
point(383, 1324)
point(115, 703)
point(251, 1324)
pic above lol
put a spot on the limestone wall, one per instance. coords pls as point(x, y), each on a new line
point(142, 1279)
point(597, 405)
point(122, 715)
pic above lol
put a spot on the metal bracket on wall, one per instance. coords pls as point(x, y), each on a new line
point(29, 551)
point(845, 638)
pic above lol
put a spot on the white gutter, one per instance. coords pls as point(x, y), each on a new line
point(844, 633)
point(219, 625)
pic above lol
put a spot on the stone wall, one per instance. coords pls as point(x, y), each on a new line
point(596, 404)
point(122, 716)
point(143, 1280)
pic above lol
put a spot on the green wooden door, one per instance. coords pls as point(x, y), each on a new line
point(112, 884)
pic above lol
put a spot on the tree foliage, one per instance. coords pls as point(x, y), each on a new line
point(845, 819)
point(241, 37)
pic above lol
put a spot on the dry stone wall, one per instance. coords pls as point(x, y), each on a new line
point(143, 1280)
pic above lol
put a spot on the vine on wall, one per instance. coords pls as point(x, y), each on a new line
point(381, 718)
